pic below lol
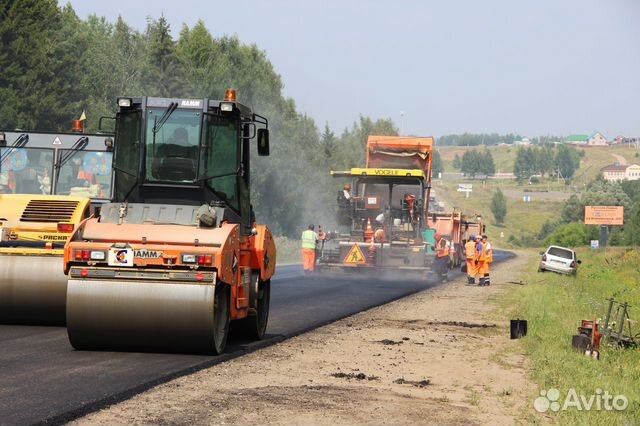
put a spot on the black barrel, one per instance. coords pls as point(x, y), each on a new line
point(518, 328)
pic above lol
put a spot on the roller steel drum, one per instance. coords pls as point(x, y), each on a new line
point(137, 315)
point(33, 290)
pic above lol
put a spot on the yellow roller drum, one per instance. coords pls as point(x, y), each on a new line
point(32, 289)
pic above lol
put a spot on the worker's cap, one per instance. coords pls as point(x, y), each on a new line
point(437, 236)
point(312, 227)
point(478, 237)
point(472, 237)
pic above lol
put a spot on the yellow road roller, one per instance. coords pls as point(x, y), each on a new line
point(49, 183)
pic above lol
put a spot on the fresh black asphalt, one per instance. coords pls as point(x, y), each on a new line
point(44, 380)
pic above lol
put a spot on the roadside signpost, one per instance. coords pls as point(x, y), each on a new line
point(603, 216)
point(465, 187)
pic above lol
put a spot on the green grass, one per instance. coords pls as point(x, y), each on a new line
point(554, 305)
point(522, 218)
point(287, 250)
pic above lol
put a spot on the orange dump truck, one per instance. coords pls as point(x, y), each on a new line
point(176, 255)
point(450, 226)
point(386, 214)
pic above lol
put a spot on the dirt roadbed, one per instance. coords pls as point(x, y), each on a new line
point(439, 357)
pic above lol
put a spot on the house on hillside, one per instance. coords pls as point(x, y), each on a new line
point(632, 172)
point(578, 139)
point(620, 172)
point(617, 140)
point(524, 141)
point(597, 139)
point(614, 172)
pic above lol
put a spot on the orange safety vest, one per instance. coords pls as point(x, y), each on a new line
point(487, 253)
point(442, 248)
point(470, 250)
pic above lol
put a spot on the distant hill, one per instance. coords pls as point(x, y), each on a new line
point(504, 157)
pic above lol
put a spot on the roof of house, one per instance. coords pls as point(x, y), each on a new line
point(577, 138)
point(595, 133)
point(615, 168)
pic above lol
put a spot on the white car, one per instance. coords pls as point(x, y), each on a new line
point(559, 259)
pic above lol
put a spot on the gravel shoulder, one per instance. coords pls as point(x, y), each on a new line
point(441, 356)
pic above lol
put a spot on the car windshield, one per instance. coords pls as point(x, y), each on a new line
point(560, 252)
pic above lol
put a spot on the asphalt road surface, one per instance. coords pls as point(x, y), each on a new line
point(44, 380)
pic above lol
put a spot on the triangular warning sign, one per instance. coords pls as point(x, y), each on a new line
point(355, 256)
point(57, 141)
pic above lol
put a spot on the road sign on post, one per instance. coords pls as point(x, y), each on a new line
point(465, 187)
point(603, 215)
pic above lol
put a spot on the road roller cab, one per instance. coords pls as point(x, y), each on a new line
point(49, 183)
point(176, 256)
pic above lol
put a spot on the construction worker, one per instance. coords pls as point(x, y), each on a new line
point(471, 253)
point(479, 262)
point(485, 258)
point(442, 257)
point(346, 191)
point(309, 244)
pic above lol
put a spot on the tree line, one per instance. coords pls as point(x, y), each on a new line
point(477, 139)
point(56, 65)
point(560, 161)
point(474, 162)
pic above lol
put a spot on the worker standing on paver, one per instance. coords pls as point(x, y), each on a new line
point(486, 257)
point(309, 245)
point(471, 253)
point(442, 257)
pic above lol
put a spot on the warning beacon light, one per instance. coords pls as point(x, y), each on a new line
point(229, 99)
point(230, 95)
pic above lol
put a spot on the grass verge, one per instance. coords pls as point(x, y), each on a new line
point(554, 305)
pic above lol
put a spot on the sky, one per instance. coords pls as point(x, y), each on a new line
point(543, 67)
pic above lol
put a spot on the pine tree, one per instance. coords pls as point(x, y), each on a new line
point(39, 65)
point(163, 75)
point(499, 207)
point(437, 164)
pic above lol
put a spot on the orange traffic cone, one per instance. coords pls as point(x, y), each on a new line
point(368, 233)
point(371, 255)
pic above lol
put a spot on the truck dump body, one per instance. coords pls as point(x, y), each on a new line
point(396, 152)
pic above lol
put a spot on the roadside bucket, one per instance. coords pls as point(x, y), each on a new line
point(518, 328)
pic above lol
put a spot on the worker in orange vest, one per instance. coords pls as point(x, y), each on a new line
point(471, 253)
point(309, 245)
point(485, 258)
point(442, 257)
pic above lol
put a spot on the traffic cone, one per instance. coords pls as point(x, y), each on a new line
point(368, 233)
point(371, 256)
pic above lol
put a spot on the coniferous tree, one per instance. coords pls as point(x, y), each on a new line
point(499, 207)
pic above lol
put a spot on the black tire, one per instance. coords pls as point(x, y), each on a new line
point(222, 317)
point(254, 326)
point(540, 269)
